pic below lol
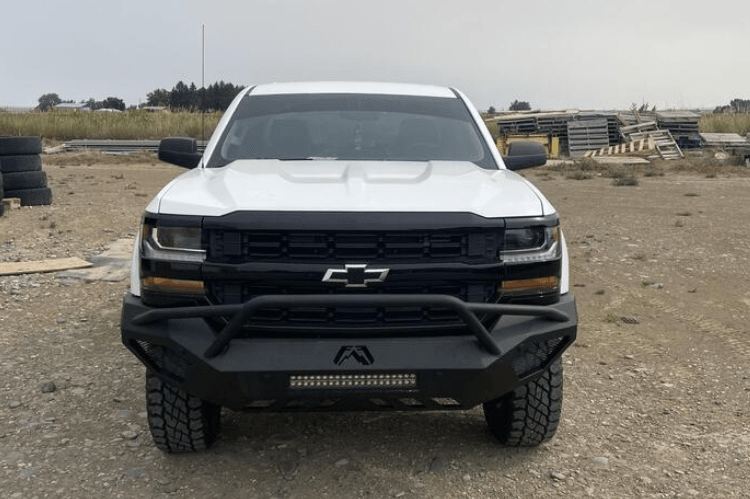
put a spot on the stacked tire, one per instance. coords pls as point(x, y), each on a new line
point(21, 174)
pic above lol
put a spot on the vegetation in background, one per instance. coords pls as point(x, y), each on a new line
point(139, 124)
point(182, 97)
point(726, 123)
point(133, 125)
point(216, 97)
point(731, 118)
point(48, 101)
point(735, 106)
point(517, 105)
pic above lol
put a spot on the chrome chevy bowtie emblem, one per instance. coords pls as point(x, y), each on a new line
point(355, 275)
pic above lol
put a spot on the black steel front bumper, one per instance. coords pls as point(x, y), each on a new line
point(444, 372)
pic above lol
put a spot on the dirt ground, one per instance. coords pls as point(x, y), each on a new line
point(657, 387)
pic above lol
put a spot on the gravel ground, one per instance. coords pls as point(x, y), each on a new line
point(657, 393)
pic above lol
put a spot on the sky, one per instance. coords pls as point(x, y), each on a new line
point(585, 54)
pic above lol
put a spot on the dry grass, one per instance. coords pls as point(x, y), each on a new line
point(587, 168)
point(725, 123)
point(135, 125)
point(97, 158)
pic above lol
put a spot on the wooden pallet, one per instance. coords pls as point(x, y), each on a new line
point(665, 145)
point(587, 134)
point(645, 145)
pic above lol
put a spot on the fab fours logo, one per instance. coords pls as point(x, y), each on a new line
point(354, 353)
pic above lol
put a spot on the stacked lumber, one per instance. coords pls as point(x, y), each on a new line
point(632, 117)
point(586, 135)
point(724, 140)
point(613, 124)
point(554, 123)
point(683, 125)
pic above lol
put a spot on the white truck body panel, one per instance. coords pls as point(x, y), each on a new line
point(272, 185)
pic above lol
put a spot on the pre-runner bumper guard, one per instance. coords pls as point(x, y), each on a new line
point(241, 313)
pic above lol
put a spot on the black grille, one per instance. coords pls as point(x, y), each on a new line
point(281, 262)
point(231, 246)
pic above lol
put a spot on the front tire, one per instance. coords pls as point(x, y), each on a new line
point(179, 422)
point(530, 414)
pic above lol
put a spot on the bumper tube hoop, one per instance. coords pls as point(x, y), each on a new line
point(241, 313)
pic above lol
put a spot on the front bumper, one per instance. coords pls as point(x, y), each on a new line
point(442, 372)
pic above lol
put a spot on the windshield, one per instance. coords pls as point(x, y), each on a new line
point(351, 127)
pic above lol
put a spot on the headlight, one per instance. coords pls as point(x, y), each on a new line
point(533, 258)
point(531, 244)
point(177, 244)
point(171, 256)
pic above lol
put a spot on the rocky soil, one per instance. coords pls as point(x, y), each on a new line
point(657, 393)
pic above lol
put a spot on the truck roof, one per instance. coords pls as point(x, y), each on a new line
point(348, 87)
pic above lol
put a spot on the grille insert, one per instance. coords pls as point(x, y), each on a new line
point(229, 246)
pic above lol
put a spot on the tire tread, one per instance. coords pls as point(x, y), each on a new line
point(179, 422)
point(24, 163)
point(25, 180)
point(13, 146)
point(530, 414)
point(31, 197)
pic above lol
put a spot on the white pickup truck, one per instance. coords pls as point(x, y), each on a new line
point(349, 246)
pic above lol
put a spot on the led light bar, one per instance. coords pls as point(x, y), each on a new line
point(353, 382)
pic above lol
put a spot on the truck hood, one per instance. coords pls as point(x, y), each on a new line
point(351, 186)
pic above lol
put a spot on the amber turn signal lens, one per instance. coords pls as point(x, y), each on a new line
point(166, 285)
point(537, 284)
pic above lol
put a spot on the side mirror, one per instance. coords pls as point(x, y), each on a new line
point(180, 151)
point(525, 155)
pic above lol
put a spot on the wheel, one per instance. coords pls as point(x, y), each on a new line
point(31, 197)
point(179, 422)
point(25, 180)
point(529, 415)
point(10, 146)
point(12, 164)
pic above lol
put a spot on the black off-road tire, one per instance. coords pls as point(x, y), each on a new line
point(2, 206)
point(179, 422)
point(31, 197)
point(530, 414)
point(13, 164)
point(25, 180)
point(11, 146)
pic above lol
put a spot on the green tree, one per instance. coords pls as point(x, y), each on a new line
point(183, 97)
point(517, 105)
point(179, 98)
point(48, 101)
point(113, 103)
point(159, 97)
